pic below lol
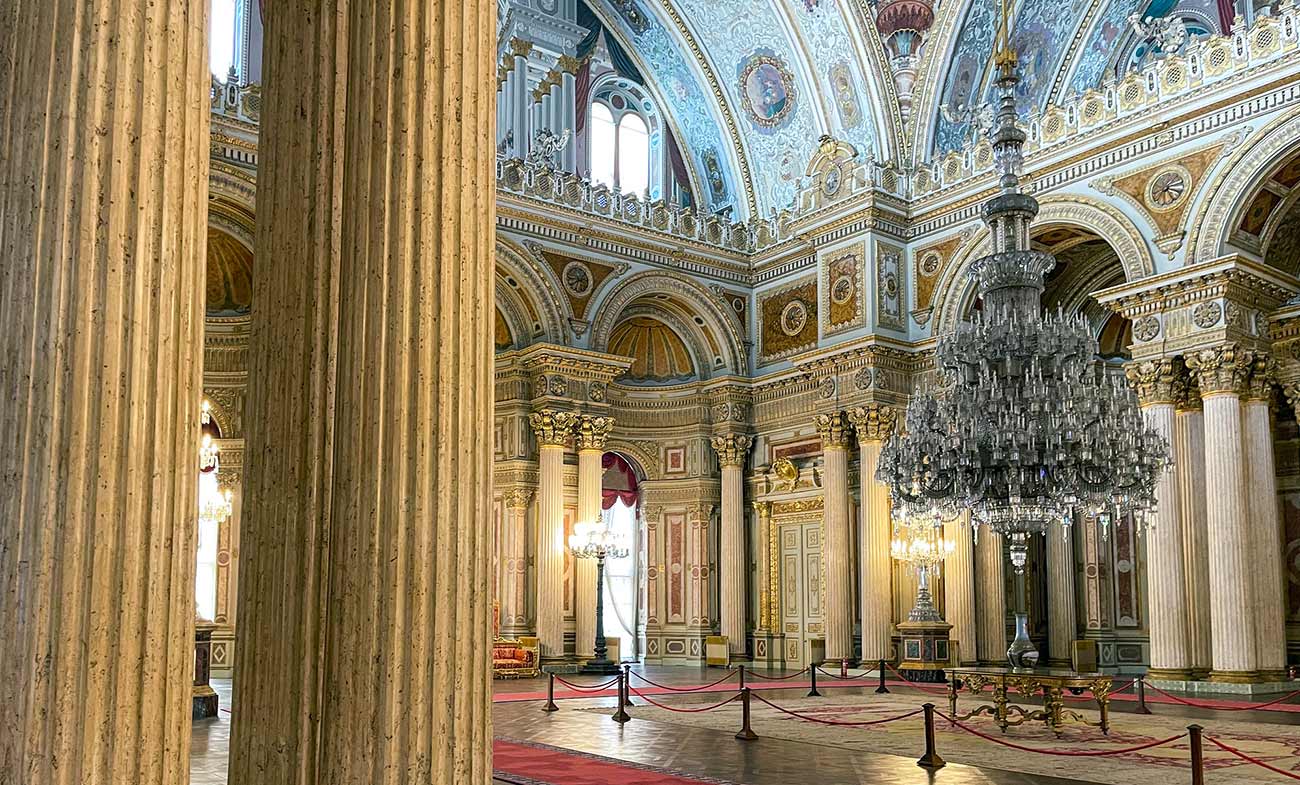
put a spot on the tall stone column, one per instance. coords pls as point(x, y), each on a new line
point(836, 539)
point(514, 563)
point(991, 589)
point(591, 435)
point(1223, 373)
point(1062, 624)
point(103, 208)
point(959, 587)
point(1158, 384)
point(554, 432)
point(732, 449)
point(1189, 446)
point(874, 423)
point(767, 613)
point(1265, 524)
point(366, 554)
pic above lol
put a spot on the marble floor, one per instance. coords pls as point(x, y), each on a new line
point(714, 754)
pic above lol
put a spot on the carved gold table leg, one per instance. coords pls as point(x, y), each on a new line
point(1053, 703)
point(952, 696)
point(1000, 704)
point(1103, 703)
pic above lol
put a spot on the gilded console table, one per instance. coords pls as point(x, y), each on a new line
point(1051, 684)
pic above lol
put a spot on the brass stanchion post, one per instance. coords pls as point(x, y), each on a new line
point(1198, 757)
point(881, 688)
point(746, 733)
point(620, 715)
point(844, 667)
point(812, 682)
point(1142, 697)
point(627, 690)
point(931, 758)
point(550, 693)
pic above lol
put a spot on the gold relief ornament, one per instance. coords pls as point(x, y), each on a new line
point(732, 448)
point(873, 422)
point(1223, 369)
point(1146, 329)
point(517, 498)
point(1262, 375)
point(833, 429)
point(1191, 392)
point(593, 431)
point(553, 428)
point(786, 473)
point(1157, 381)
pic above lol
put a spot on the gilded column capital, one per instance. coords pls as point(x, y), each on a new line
point(553, 428)
point(1223, 369)
point(1157, 381)
point(873, 422)
point(732, 448)
point(1190, 393)
point(517, 498)
point(1292, 393)
point(593, 431)
point(762, 509)
point(1262, 376)
point(568, 64)
point(833, 429)
point(520, 48)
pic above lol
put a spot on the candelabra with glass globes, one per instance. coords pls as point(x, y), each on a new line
point(594, 541)
point(920, 545)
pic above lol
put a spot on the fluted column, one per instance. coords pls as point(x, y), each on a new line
point(1189, 446)
point(514, 563)
point(366, 554)
point(591, 435)
point(834, 430)
point(554, 432)
point(1222, 374)
point(103, 207)
point(959, 587)
point(1061, 617)
point(767, 612)
point(874, 423)
point(1265, 523)
point(521, 98)
point(1158, 384)
point(991, 589)
point(732, 449)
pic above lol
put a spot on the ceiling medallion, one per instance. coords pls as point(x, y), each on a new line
point(1167, 188)
point(794, 316)
point(577, 279)
point(767, 89)
point(842, 290)
point(930, 264)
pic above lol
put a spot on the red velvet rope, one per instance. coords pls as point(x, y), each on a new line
point(1064, 753)
point(684, 689)
point(838, 677)
point(758, 675)
point(1249, 759)
point(587, 687)
point(928, 688)
point(861, 724)
point(1198, 705)
point(654, 702)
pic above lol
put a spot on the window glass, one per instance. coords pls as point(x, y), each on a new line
point(633, 155)
point(221, 40)
point(602, 145)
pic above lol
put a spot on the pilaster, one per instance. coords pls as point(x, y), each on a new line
point(732, 449)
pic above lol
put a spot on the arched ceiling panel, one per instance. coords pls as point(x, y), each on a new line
point(229, 275)
point(658, 354)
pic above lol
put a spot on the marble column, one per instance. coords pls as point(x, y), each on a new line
point(732, 449)
point(1265, 523)
point(103, 209)
point(514, 563)
point(959, 587)
point(1189, 446)
point(1158, 384)
point(554, 432)
point(873, 424)
point(1222, 374)
point(366, 549)
point(767, 611)
point(1062, 624)
point(991, 589)
point(836, 539)
point(591, 435)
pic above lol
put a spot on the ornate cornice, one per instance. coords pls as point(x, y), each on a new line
point(732, 448)
point(1157, 381)
point(1222, 369)
point(873, 422)
point(553, 428)
point(833, 429)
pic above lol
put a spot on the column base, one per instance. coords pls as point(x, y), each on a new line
point(206, 702)
point(1235, 677)
point(1170, 674)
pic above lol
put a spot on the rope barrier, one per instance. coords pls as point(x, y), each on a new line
point(1062, 753)
point(758, 675)
point(654, 702)
point(1198, 705)
point(1249, 759)
point(860, 724)
point(684, 689)
point(838, 677)
point(925, 687)
point(587, 687)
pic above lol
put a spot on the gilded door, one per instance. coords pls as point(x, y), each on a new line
point(802, 590)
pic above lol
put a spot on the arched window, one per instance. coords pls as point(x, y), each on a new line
point(623, 145)
point(604, 146)
point(633, 154)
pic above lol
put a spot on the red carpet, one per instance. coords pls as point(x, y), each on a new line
point(521, 763)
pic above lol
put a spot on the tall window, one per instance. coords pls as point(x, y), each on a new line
point(619, 146)
point(222, 49)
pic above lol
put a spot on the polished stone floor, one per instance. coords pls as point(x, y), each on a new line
point(705, 752)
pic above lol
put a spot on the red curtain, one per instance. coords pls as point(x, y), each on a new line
point(624, 482)
point(1226, 14)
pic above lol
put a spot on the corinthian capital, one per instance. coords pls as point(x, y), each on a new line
point(834, 429)
point(517, 498)
point(1223, 369)
point(593, 431)
point(732, 448)
point(554, 428)
point(1262, 375)
point(1157, 381)
point(873, 422)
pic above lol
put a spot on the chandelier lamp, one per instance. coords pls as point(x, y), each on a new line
point(214, 503)
point(920, 544)
point(593, 541)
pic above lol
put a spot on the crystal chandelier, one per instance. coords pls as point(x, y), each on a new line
point(1026, 427)
point(214, 504)
point(920, 544)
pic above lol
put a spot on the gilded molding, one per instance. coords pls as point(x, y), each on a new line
point(553, 428)
point(873, 422)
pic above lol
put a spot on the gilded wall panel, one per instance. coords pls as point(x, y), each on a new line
point(929, 265)
point(889, 286)
point(843, 306)
point(788, 320)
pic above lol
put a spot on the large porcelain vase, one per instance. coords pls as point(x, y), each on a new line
point(1021, 654)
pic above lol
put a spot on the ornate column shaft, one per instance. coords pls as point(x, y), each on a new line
point(1062, 624)
point(991, 607)
point(514, 563)
point(1222, 374)
point(1158, 384)
point(1189, 446)
point(873, 424)
point(959, 587)
point(1265, 524)
point(731, 450)
point(554, 431)
point(837, 540)
point(103, 205)
point(591, 435)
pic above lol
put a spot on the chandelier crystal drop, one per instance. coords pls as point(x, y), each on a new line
point(1026, 426)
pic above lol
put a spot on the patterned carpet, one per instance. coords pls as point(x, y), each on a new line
point(1277, 745)
point(529, 763)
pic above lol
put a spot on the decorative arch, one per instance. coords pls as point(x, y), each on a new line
point(715, 318)
point(643, 457)
point(1239, 178)
point(955, 292)
point(229, 279)
point(531, 284)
